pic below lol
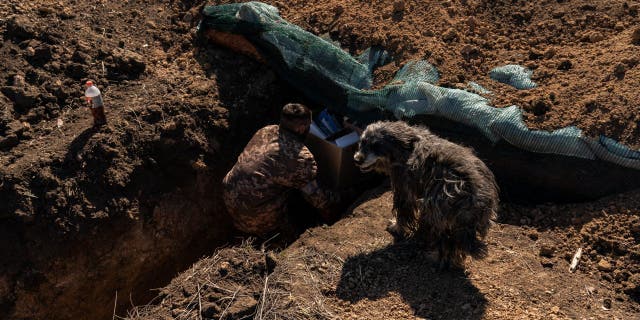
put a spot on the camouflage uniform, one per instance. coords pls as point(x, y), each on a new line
point(256, 189)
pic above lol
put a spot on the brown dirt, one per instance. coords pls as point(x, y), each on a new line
point(224, 283)
point(353, 270)
point(466, 39)
point(87, 213)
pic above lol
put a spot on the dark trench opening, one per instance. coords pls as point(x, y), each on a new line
point(254, 100)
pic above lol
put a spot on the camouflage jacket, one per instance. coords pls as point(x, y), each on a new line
point(274, 162)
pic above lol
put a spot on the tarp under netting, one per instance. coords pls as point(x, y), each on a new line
point(565, 161)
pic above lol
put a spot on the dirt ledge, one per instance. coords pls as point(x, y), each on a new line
point(86, 213)
point(352, 270)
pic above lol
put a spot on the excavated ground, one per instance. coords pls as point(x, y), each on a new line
point(87, 215)
point(353, 270)
point(90, 217)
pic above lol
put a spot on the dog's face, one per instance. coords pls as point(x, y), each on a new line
point(384, 144)
point(371, 154)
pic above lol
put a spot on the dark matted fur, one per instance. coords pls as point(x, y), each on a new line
point(442, 192)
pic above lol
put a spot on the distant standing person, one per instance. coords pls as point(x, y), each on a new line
point(274, 163)
point(94, 99)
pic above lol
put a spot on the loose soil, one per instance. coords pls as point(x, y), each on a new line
point(88, 214)
point(583, 55)
point(353, 270)
point(90, 217)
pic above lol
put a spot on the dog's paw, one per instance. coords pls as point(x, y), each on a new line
point(392, 226)
point(451, 266)
point(395, 230)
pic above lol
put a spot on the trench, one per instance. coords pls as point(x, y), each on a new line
point(523, 177)
point(190, 221)
point(133, 259)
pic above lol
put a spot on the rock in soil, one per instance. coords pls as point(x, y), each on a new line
point(127, 63)
point(635, 37)
point(21, 27)
point(604, 265)
point(547, 249)
point(24, 98)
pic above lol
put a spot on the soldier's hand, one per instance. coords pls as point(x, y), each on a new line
point(330, 214)
point(349, 194)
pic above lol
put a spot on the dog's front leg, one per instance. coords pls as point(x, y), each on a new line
point(400, 227)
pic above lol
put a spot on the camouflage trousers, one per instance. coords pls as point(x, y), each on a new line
point(263, 222)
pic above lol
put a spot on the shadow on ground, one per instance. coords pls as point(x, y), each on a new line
point(432, 294)
point(79, 142)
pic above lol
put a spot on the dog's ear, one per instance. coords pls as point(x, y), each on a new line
point(406, 140)
point(396, 147)
point(400, 134)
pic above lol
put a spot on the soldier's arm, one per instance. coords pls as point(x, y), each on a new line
point(325, 200)
point(301, 175)
point(296, 172)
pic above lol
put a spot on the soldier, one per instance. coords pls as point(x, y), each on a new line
point(274, 163)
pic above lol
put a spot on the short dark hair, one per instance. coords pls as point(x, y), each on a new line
point(294, 115)
point(295, 112)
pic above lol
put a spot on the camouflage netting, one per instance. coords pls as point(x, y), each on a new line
point(329, 76)
point(514, 75)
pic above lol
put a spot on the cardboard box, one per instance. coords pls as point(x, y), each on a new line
point(336, 168)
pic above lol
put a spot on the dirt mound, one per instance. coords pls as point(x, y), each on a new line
point(582, 52)
point(353, 270)
point(226, 285)
point(238, 282)
point(89, 215)
point(86, 214)
point(607, 230)
point(583, 56)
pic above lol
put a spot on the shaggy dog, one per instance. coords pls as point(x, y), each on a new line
point(442, 193)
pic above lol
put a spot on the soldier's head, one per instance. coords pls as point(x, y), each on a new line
point(296, 117)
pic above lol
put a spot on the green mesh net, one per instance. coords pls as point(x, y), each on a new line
point(329, 76)
point(514, 75)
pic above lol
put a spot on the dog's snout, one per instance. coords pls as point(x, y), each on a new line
point(358, 158)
